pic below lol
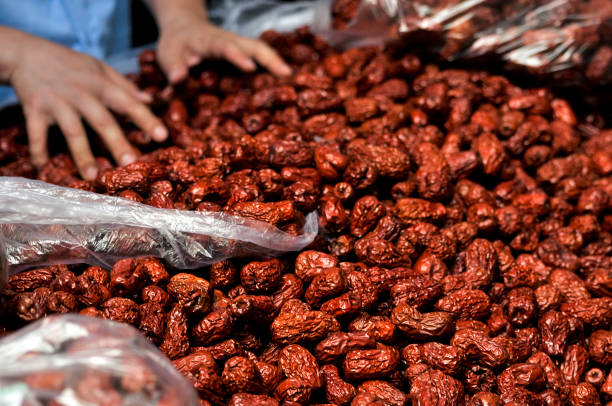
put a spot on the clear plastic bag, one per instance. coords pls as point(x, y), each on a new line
point(569, 40)
point(446, 25)
point(355, 23)
point(252, 17)
point(43, 224)
point(77, 360)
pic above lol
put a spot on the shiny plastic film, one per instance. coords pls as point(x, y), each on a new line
point(43, 224)
point(445, 25)
point(79, 360)
point(350, 23)
point(568, 40)
point(251, 18)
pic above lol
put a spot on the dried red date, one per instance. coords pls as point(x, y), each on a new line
point(121, 309)
point(584, 394)
point(479, 346)
point(303, 325)
point(337, 391)
point(126, 277)
point(370, 364)
point(309, 263)
point(365, 214)
point(239, 374)
point(383, 392)
point(261, 276)
point(193, 293)
point(600, 343)
point(428, 386)
point(249, 399)
point(421, 325)
point(30, 280)
point(574, 364)
point(297, 362)
point(596, 313)
point(338, 344)
point(293, 392)
point(273, 213)
point(176, 342)
point(465, 303)
point(410, 211)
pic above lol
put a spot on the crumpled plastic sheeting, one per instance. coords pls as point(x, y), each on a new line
point(554, 36)
point(420, 22)
point(252, 17)
point(568, 40)
point(43, 224)
point(373, 24)
point(79, 360)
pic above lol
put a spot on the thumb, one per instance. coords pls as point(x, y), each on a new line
point(170, 59)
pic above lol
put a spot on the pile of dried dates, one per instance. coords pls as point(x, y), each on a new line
point(466, 252)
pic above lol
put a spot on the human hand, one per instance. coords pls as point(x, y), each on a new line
point(186, 38)
point(57, 85)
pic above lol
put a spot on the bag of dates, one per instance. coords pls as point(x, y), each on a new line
point(352, 23)
point(44, 224)
point(79, 360)
point(566, 40)
point(569, 41)
point(445, 25)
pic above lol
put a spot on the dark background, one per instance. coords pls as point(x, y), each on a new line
point(144, 28)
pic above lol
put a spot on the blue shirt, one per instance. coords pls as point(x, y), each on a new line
point(99, 28)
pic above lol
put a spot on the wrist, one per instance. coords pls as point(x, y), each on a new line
point(11, 41)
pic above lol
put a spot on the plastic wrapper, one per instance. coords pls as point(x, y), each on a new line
point(78, 360)
point(351, 23)
point(252, 17)
point(44, 224)
point(568, 40)
point(445, 25)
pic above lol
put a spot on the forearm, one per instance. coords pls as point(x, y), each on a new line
point(11, 41)
point(167, 11)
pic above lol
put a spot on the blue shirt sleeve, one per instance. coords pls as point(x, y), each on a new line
point(100, 28)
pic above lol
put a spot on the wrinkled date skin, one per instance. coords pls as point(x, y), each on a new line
point(464, 248)
point(370, 364)
point(193, 293)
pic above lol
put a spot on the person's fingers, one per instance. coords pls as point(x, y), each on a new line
point(172, 62)
point(37, 125)
point(103, 122)
point(127, 85)
point(266, 57)
point(221, 44)
point(192, 58)
point(70, 123)
point(123, 103)
point(238, 57)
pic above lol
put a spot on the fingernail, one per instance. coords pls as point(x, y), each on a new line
point(160, 133)
point(145, 97)
point(127, 159)
point(90, 173)
point(250, 65)
point(286, 70)
point(175, 75)
point(193, 60)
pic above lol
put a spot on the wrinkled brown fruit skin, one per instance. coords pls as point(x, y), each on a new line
point(466, 251)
